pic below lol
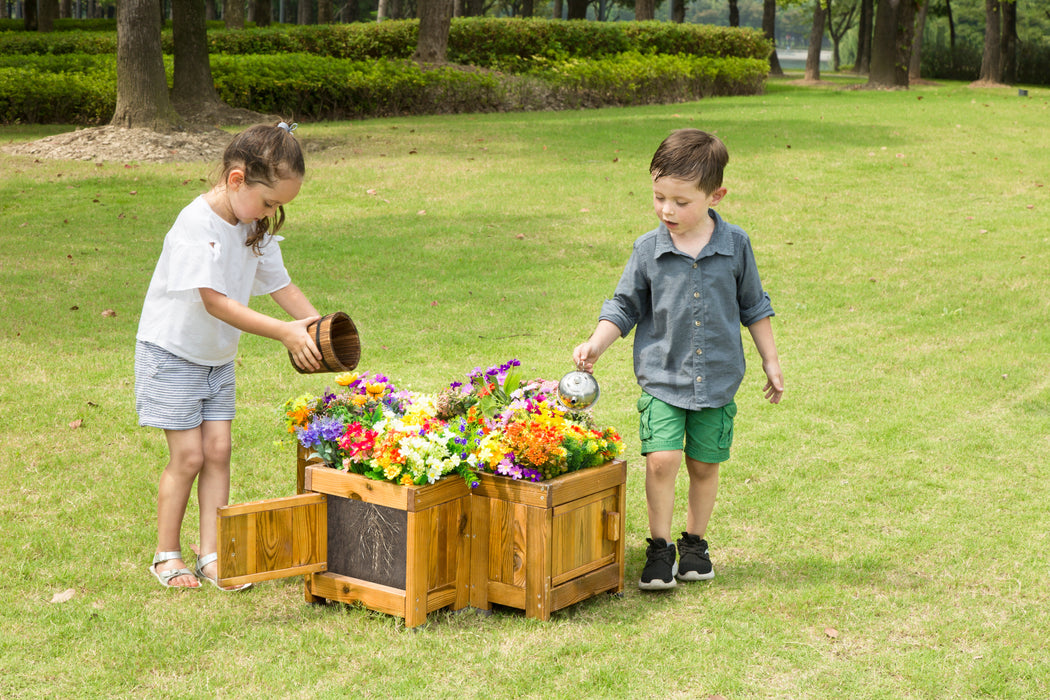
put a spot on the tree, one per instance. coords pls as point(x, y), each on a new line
point(915, 66)
point(233, 14)
point(643, 10)
point(816, 39)
point(991, 60)
point(578, 9)
point(769, 29)
point(839, 23)
point(263, 12)
point(435, 19)
point(47, 11)
point(864, 25)
point(1009, 42)
point(142, 88)
point(891, 43)
point(193, 92)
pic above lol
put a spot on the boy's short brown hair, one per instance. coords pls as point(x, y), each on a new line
point(693, 155)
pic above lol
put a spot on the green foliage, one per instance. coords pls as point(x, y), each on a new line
point(81, 93)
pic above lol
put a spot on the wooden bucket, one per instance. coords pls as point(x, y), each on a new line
point(336, 337)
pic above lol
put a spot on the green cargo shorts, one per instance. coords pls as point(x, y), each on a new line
point(707, 434)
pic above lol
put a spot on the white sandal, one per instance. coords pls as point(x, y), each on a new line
point(208, 559)
point(165, 577)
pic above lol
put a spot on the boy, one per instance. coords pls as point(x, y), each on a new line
point(687, 288)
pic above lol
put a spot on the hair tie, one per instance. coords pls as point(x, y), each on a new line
point(288, 127)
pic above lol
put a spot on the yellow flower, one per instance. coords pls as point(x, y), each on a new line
point(375, 391)
point(346, 378)
point(359, 399)
point(406, 480)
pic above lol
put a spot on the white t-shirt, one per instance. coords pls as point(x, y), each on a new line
point(203, 250)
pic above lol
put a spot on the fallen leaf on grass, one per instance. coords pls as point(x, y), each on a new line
point(109, 313)
point(64, 596)
point(831, 632)
point(76, 423)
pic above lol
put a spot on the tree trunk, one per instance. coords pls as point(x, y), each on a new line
point(991, 61)
point(29, 15)
point(381, 10)
point(142, 88)
point(891, 43)
point(557, 11)
point(194, 92)
point(435, 18)
point(528, 8)
point(304, 14)
point(816, 39)
point(643, 9)
point(577, 9)
point(863, 63)
point(769, 29)
point(233, 14)
point(324, 11)
point(47, 11)
point(915, 66)
point(263, 12)
point(1009, 48)
point(951, 26)
point(678, 11)
point(65, 8)
point(734, 13)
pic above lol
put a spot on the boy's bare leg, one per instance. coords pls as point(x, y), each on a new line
point(703, 487)
point(661, 470)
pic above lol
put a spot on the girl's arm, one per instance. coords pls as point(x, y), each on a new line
point(292, 334)
point(762, 333)
point(294, 302)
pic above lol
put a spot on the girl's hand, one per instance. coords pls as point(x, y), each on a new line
point(300, 344)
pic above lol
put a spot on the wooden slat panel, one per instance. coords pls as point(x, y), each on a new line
point(352, 590)
point(501, 594)
point(271, 539)
point(409, 498)
point(480, 508)
point(538, 555)
point(419, 525)
point(579, 484)
point(606, 579)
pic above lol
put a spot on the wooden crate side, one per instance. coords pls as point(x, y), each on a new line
point(346, 589)
point(356, 487)
point(538, 556)
point(579, 539)
point(507, 489)
point(271, 539)
point(570, 487)
point(606, 579)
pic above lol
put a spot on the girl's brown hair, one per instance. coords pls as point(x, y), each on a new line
point(267, 154)
point(692, 155)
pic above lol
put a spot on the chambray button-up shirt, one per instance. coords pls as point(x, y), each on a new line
point(688, 312)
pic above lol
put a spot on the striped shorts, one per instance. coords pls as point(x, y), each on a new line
point(175, 394)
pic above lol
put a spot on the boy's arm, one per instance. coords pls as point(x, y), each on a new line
point(587, 353)
point(762, 333)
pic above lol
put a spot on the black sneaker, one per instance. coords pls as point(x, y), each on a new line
point(660, 566)
point(695, 564)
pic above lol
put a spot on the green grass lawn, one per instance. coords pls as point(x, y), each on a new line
point(882, 533)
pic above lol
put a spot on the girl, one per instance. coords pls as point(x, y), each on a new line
point(222, 249)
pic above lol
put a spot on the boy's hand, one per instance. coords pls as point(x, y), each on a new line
point(774, 388)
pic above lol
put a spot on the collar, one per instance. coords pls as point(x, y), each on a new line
point(721, 242)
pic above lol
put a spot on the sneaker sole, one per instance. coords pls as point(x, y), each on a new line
point(695, 576)
point(657, 585)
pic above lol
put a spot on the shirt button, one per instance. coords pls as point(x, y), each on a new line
point(694, 266)
point(696, 295)
point(697, 323)
point(699, 351)
point(699, 379)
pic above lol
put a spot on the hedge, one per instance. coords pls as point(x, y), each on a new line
point(81, 88)
point(487, 42)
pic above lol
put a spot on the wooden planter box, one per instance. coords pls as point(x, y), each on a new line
point(401, 550)
point(541, 547)
point(410, 550)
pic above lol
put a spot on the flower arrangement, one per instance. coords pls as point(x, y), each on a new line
point(494, 422)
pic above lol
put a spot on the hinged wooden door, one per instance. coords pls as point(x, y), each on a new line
point(271, 539)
